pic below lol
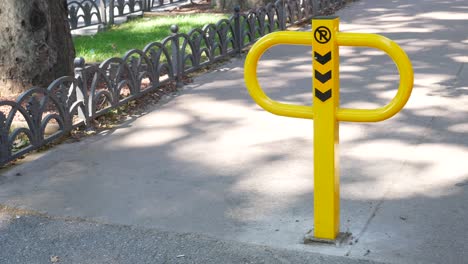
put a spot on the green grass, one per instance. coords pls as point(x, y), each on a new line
point(136, 35)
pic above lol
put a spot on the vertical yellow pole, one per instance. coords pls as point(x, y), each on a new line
point(325, 105)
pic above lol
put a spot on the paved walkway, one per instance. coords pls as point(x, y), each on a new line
point(210, 162)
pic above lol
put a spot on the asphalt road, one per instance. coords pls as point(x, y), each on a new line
point(40, 239)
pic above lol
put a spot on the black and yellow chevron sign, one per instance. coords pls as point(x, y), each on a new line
point(323, 77)
point(323, 73)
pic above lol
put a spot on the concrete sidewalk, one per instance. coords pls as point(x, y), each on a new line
point(212, 163)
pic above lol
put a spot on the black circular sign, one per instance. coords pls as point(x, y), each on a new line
point(322, 34)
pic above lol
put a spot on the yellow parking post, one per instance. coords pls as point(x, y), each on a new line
point(326, 39)
point(325, 104)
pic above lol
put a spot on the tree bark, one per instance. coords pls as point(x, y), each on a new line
point(36, 46)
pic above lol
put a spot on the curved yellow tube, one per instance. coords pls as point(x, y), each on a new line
point(250, 73)
point(343, 39)
point(404, 68)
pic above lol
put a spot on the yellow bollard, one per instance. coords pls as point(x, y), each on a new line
point(325, 104)
point(325, 39)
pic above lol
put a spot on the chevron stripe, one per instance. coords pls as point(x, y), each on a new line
point(323, 96)
point(322, 59)
point(323, 78)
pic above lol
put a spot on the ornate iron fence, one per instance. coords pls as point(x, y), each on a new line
point(85, 13)
point(70, 102)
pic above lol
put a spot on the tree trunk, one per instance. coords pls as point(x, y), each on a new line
point(35, 44)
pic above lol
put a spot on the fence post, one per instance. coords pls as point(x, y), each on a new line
point(81, 92)
point(315, 7)
point(237, 31)
point(111, 12)
point(5, 150)
point(282, 13)
point(102, 5)
point(177, 65)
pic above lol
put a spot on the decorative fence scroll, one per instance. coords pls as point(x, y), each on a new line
point(70, 102)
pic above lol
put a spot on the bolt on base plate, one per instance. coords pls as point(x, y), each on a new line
point(341, 239)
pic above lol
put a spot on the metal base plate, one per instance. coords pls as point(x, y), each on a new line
point(341, 239)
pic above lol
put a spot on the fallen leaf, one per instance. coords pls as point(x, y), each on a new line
point(54, 259)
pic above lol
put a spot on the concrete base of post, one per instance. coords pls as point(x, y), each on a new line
point(340, 240)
